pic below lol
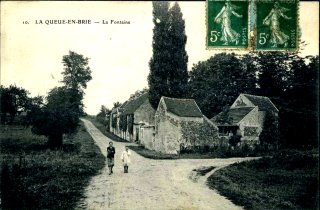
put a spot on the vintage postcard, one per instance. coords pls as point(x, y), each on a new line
point(159, 105)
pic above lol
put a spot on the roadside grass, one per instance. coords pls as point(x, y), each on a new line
point(217, 153)
point(203, 170)
point(152, 154)
point(34, 177)
point(288, 180)
point(198, 172)
point(103, 129)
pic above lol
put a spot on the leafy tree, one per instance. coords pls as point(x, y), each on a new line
point(104, 117)
point(299, 106)
point(114, 117)
point(168, 66)
point(13, 100)
point(59, 116)
point(33, 107)
point(291, 82)
point(138, 93)
point(76, 72)
point(274, 73)
point(76, 75)
point(114, 123)
point(270, 132)
point(116, 104)
point(104, 111)
point(123, 124)
point(218, 81)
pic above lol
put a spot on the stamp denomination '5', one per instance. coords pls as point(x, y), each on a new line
point(227, 23)
point(276, 25)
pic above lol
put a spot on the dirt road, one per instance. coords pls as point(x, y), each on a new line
point(152, 184)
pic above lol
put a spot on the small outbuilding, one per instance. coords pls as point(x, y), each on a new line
point(245, 117)
point(179, 123)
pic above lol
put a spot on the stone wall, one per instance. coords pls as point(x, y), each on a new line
point(253, 120)
point(199, 134)
point(147, 137)
point(167, 132)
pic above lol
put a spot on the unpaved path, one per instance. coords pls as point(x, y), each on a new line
point(152, 184)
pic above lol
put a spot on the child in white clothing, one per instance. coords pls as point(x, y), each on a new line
point(125, 157)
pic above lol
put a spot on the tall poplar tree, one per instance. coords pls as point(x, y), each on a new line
point(160, 61)
point(178, 74)
point(168, 66)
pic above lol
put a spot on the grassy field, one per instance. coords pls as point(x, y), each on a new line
point(34, 177)
point(289, 180)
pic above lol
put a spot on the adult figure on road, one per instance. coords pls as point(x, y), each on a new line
point(110, 157)
point(125, 157)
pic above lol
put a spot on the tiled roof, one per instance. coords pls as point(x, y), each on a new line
point(134, 104)
point(263, 103)
point(236, 114)
point(182, 107)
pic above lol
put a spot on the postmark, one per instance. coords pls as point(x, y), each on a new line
point(227, 24)
point(276, 25)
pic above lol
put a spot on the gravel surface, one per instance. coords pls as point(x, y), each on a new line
point(153, 184)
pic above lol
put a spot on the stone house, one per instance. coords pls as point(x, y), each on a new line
point(141, 113)
point(179, 123)
point(115, 119)
point(245, 118)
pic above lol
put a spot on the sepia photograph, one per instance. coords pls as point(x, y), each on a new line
point(159, 105)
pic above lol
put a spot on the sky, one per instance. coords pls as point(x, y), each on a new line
point(31, 53)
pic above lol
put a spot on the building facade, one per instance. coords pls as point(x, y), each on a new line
point(245, 117)
point(179, 124)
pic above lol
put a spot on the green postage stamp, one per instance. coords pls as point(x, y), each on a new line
point(272, 24)
point(276, 25)
point(227, 23)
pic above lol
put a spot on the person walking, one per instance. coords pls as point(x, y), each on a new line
point(110, 157)
point(125, 157)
